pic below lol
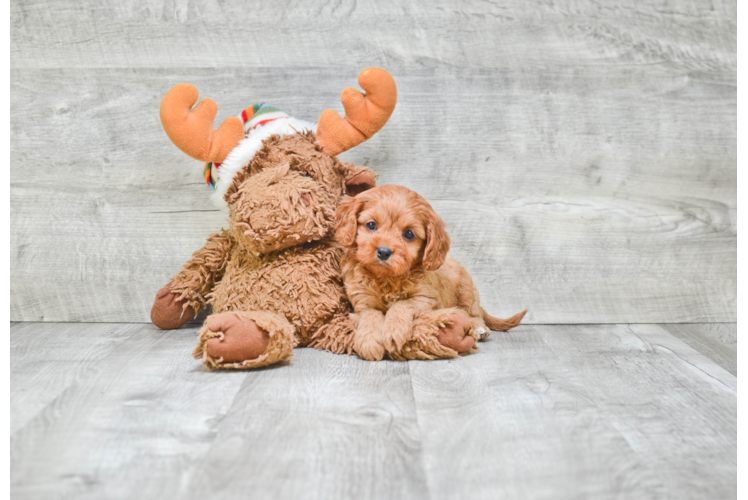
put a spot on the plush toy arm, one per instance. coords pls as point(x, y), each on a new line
point(206, 267)
point(186, 294)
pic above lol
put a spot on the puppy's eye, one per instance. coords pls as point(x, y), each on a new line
point(408, 235)
point(371, 225)
point(305, 174)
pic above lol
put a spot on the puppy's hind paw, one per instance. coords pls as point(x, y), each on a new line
point(482, 332)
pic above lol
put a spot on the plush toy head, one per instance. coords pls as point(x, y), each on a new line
point(289, 193)
point(280, 177)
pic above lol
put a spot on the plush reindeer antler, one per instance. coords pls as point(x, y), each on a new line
point(365, 114)
point(191, 130)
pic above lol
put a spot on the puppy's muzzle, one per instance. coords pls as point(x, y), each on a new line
point(384, 253)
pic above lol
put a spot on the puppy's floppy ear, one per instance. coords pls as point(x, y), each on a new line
point(346, 220)
point(437, 241)
point(357, 179)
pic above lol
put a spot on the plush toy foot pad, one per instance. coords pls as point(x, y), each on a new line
point(455, 336)
point(242, 339)
point(169, 313)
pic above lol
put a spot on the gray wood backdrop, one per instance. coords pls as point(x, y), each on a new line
point(583, 154)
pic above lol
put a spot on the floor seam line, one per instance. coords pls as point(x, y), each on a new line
point(421, 441)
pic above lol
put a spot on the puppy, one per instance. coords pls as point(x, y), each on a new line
point(395, 269)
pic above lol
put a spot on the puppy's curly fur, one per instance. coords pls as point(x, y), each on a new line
point(396, 270)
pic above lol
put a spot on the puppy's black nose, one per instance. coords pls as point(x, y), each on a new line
point(384, 253)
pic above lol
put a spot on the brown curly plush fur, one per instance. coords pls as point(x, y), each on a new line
point(277, 264)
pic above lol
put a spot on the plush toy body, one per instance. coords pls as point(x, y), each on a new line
point(273, 277)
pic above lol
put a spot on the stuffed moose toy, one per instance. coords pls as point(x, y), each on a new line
point(273, 277)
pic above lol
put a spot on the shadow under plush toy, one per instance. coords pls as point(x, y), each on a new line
point(273, 278)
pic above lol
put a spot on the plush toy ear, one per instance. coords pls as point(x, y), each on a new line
point(360, 183)
point(437, 242)
point(356, 179)
point(346, 220)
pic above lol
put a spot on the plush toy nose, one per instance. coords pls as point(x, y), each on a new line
point(384, 253)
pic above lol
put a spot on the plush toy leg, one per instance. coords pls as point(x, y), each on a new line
point(444, 333)
point(244, 340)
point(336, 335)
point(460, 335)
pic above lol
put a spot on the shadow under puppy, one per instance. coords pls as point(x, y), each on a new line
point(396, 271)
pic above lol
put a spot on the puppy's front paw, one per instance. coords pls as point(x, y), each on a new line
point(369, 348)
point(396, 332)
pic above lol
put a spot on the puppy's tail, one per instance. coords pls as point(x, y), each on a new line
point(502, 325)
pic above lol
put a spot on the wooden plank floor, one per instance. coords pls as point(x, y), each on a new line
point(593, 411)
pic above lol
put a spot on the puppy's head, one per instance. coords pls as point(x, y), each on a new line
point(393, 230)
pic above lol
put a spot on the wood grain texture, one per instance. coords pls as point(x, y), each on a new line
point(328, 426)
point(696, 397)
point(741, 353)
point(610, 238)
point(133, 426)
point(583, 155)
point(742, 228)
point(319, 33)
point(585, 411)
point(45, 360)
point(609, 411)
point(716, 341)
point(742, 485)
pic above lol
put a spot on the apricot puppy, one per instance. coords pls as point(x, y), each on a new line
point(395, 269)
